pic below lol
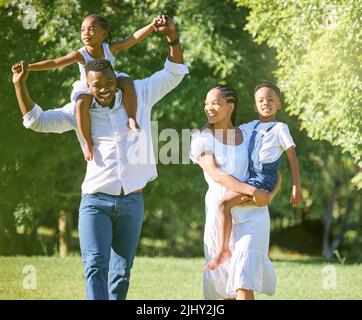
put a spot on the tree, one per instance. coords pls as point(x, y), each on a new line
point(41, 174)
point(216, 49)
point(319, 53)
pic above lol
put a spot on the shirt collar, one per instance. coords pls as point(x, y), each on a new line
point(117, 102)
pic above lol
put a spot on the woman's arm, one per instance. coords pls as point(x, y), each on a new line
point(51, 64)
point(208, 164)
point(132, 40)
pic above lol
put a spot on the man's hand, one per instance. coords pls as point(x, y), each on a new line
point(20, 71)
point(164, 24)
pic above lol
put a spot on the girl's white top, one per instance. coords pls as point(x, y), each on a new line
point(80, 86)
point(87, 58)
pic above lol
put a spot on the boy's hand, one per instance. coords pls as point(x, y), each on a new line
point(296, 196)
point(20, 71)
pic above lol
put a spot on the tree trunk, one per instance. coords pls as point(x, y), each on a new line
point(330, 243)
point(328, 220)
point(64, 229)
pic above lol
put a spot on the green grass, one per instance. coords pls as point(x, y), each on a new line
point(176, 278)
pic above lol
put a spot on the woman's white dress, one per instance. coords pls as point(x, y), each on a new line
point(249, 266)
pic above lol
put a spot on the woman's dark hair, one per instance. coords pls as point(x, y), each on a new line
point(231, 96)
point(269, 85)
point(104, 23)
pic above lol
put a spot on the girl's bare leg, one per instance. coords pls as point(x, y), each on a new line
point(83, 105)
point(129, 101)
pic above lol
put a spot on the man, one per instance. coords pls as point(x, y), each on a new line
point(111, 210)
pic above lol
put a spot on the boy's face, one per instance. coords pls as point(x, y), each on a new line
point(103, 85)
point(267, 103)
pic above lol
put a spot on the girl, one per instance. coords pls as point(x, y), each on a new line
point(96, 37)
point(268, 140)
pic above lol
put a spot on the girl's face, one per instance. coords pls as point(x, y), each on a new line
point(216, 107)
point(267, 103)
point(92, 33)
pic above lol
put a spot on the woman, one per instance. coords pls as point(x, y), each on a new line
point(221, 150)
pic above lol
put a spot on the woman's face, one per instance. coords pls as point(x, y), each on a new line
point(216, 107)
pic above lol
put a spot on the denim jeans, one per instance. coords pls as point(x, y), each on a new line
point(261, 175)
point(109, 231)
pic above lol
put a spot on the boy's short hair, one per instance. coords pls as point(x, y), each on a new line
point(98, 65)
point(269, 85)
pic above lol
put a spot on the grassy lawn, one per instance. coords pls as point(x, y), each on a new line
point(176, 278)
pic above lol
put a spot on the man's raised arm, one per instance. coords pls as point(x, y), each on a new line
point(155, 87)
point(57, 121)
point(168, 28)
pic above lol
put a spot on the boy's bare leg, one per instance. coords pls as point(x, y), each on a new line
point(129, 101)
point(83, 121)
point(230, 200)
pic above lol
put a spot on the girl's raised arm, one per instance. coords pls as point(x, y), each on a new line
point(51, 64)
point(132, 40)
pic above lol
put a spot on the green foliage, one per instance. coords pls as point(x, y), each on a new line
point(319, 53)
point(41, 174)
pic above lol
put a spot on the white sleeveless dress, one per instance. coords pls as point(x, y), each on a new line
point(249, 266)
point(80, 86)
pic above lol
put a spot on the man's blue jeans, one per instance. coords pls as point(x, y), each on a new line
point(109, 231)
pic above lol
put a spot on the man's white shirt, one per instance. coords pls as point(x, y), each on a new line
point(123, 159)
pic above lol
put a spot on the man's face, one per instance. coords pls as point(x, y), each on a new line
point(103, 85)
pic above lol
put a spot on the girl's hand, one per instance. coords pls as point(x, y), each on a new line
point(297, 195)
point(164, 24)
point(20, 71)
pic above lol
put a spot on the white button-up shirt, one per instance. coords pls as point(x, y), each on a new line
point(122, 159)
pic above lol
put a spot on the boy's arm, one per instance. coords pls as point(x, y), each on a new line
point(132, 40)
point(294, 167)
point(51, 64)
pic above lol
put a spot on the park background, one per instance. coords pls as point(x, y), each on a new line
point(312, 49)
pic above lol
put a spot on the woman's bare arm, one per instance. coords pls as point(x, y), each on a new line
point(208, 164)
